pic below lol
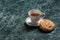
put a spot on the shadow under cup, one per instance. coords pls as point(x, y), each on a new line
point(35, 16)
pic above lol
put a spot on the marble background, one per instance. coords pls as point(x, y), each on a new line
point(14, 12)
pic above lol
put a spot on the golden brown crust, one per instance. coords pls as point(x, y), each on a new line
point(46, 25)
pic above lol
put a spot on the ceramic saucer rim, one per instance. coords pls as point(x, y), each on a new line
point(30, 20)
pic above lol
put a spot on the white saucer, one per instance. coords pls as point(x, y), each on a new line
point(28, 22)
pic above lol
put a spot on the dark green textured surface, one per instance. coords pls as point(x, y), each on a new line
point(14, 12)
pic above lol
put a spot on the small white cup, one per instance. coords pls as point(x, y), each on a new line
point(35, 19)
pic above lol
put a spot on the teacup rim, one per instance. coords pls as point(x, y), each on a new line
point(34, 9)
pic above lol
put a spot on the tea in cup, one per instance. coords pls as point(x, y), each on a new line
point(35, 15)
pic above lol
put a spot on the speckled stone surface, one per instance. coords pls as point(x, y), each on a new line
point(14, 12)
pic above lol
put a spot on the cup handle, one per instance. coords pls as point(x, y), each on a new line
point(43, 15)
